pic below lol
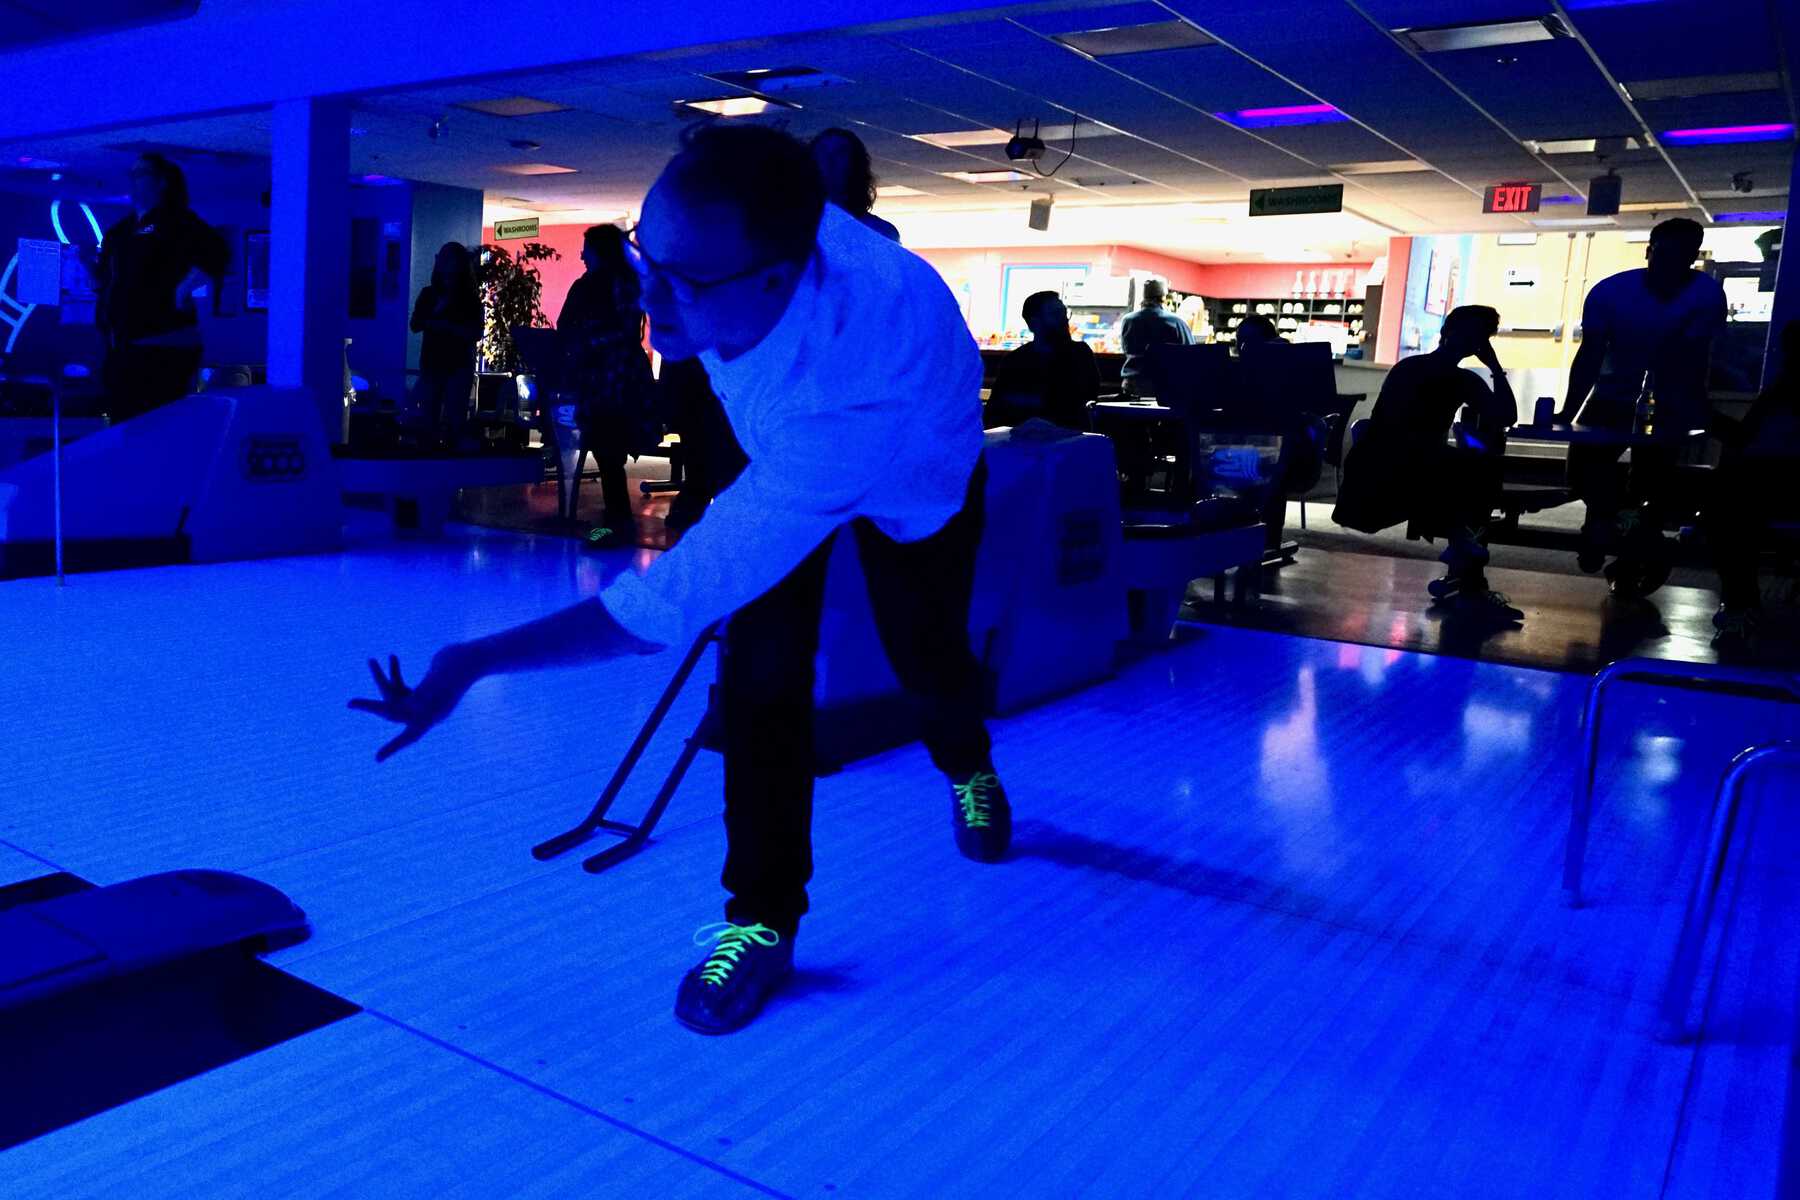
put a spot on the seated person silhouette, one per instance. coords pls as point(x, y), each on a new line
point(1404, 468)
point(1052, 376)
point(1255, 330)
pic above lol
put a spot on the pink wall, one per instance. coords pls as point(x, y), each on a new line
point(1393, 300)
point(557, 274)
point(1272, 281)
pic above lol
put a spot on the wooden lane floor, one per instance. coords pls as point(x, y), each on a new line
point(1282, 920)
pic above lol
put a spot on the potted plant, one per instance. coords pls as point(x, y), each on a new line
point(511, 294)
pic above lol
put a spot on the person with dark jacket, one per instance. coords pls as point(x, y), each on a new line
point(607, 381)
point(1403, 467)
point(152, 265)
point(1052, 376)
point(448, 314)
point(1750, 487)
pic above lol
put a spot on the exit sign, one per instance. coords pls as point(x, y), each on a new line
point(1512, 198)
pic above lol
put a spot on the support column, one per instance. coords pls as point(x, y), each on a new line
point(1787, 277)
point(309, 252)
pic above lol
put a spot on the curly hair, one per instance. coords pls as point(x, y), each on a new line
point(861, 184)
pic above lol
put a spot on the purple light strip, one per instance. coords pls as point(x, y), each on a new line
point(1284, 114)
point(1286, 110)
point(1730, 133)
point(1763, 217)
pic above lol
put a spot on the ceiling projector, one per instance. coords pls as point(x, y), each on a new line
point(1023, 147)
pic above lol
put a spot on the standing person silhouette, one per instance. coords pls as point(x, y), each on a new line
point(152, 265)
point(448, 315)
point(607, 375)
point(1151, 325)
point(746, 266)
point(1653, 326)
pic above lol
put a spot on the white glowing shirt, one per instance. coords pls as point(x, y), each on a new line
point(863, 401)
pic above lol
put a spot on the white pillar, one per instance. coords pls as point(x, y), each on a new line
point(309, 252)
point(1786, 305)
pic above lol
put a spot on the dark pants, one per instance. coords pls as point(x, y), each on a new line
point(615, 489)
point(137, 379)
point(710, 455)
point(1746, 494)
point(1594, 470)
point(920, 593)
point(443, 403)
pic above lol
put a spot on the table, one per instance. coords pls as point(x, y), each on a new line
point(1600, 435)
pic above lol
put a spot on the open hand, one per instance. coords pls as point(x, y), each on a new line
point(417, 708)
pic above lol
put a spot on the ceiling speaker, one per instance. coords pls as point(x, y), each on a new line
point(1603, 195)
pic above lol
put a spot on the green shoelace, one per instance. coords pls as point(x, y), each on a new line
point(974, 797)
point(733, 941)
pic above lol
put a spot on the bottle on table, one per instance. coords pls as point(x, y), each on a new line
point(1646, 405)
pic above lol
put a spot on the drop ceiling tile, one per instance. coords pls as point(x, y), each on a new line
point(1704, 112)
point(1214, 78)
point(1540, 90)
point(1681, 37)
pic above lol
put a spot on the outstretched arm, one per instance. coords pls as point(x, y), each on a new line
point(581, 633)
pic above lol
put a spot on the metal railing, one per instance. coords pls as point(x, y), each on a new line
point(1767, 685)
point(1704, 894)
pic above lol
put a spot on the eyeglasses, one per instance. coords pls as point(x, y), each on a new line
point(683, 287)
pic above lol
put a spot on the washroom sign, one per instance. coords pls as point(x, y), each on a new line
point(507, 231)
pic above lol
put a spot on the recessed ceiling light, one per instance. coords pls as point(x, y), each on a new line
point(771, 81)
point(1283, 114)
point(898, 189)
point(1483, 35)
point(957, 138)
point(729, 106)
point(1517, 239)
point(1688, 86)
point(1001, 176)
point(513, 106)
point(1576, 145)
point(1571, 222)
point(1134, 39)
point(1398, 166)
point(534, 169)
point(1668, 206)
point(1717, 135)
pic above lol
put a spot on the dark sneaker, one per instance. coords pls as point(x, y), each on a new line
point(1489, 605)
point(724, 993)
point(981, 816)
point(608, 537)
